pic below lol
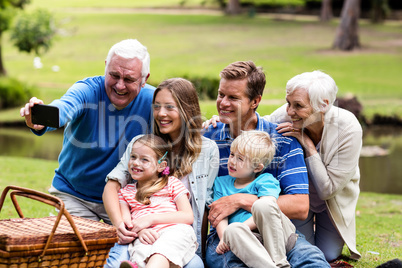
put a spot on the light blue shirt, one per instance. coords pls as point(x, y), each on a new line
point(263, 185)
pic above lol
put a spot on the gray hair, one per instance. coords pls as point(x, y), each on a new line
point(130, 49)
point(319, 87)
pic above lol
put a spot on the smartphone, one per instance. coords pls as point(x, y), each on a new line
point(45, 115)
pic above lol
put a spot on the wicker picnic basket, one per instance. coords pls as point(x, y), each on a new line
point(55, 241)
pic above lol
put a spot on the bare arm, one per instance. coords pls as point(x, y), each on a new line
point(227, 205)
point(220, 229)
point(294, 206)
point(184, 214)
point(111, 203)
point(125, 211)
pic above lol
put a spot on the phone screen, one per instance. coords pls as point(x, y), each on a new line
point(45, 115)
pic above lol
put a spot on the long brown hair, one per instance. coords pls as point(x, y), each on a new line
point(189, 145)
point(160, 147)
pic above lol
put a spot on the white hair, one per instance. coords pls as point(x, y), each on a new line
point(130, 49)
point(319, 87)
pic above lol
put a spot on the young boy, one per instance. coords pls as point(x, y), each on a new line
point(250, 153)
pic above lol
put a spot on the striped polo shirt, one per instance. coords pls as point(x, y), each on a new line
point(288, 165)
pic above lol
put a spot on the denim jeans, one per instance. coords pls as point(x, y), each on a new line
point(215, 260)
point(322, 233)
point(303, 255)
point(119, 253)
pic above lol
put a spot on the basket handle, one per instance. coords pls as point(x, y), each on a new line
point(47, 199)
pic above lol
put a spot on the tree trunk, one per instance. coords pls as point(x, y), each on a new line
point(347, 36)
point(233, 7)
point(2, 69)
point(326, 11)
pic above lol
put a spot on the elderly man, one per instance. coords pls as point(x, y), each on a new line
point(100, 115)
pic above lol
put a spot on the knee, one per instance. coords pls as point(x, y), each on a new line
point(265, 206)
point(235, 228)
point(233, 231)
point(195, 262)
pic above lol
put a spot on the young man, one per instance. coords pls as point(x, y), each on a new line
point(250, 153)
point(240, 91)
point(100, 115)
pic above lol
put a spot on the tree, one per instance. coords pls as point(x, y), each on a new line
point(347, 36)
point(37, 33)
point(34, 31)
point(7, 12)
point(233, 7)
point(326, 10)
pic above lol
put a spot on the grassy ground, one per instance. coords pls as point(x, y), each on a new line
point(201, 45)
point(378, 217)
point(184, 44)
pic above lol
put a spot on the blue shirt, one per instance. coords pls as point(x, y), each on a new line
point(263, 185)
point(288, 165)
point(95, 135)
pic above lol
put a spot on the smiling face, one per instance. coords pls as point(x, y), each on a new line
point(167, 114)
point(300, 110)
point(123, 80)
point(234, 106)
point(143, 165)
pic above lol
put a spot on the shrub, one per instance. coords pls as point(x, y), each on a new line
point(13, 92)
point(206, 87)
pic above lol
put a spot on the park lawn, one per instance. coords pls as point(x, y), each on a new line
point(56, 4)
point(202, 45)
point(378, 215)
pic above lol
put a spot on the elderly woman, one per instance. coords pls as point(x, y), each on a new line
point(331, 138)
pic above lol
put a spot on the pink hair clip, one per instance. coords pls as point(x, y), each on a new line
point(166, 171)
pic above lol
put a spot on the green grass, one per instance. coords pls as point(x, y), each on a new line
point(29, 173)
point(146, 4)
point(201, 45)
point(55, 4)
point(379, 218)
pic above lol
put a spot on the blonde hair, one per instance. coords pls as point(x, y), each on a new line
point(255, 145)
point(160, 147)
point(190, 141)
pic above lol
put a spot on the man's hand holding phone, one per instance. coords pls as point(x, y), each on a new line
point(37, 115)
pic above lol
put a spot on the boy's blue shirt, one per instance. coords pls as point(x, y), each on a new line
point(264, 185)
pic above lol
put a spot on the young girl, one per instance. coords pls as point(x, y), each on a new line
point(158, 207)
